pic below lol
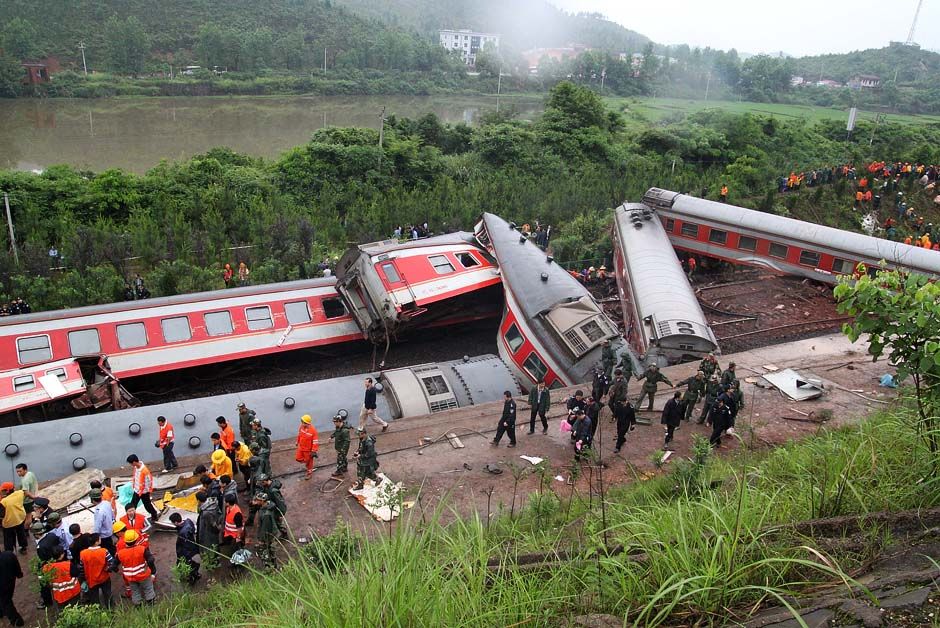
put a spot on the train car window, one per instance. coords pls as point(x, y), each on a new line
point(536, 368)
point(441, 264)
point(593, 331)
point(747, 243)
point(576, 342)
point(670, 225)
point(467, 260)
point(435, 385)
point(176, 329)
point(690, 229)
point(23, 382)
point(778, 250)
point(841, 266)
point(809, 258)
point(556, 384)
point(84, 342)
point(717, 236)
point(391, 274)
point(131, 335)
point(333, 308)
point(218, 323)
point(297, 312)
point(259, 317)
point(33, 349)
point(59, 373)
point(514, 338)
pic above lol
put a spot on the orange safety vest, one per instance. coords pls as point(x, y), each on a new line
point(137, 525)
point(166, 434)
point(859, 196)
point(95, 562)
point(143, 480)
point(724, 190)
point(133, 563)
point(308, 439)
point(232, 530)
point(227, 437)
point(107, 494)
point(143, 541)
point(64, 585)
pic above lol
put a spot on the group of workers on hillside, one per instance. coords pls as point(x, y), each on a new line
point(77, 566)
point(14, 307)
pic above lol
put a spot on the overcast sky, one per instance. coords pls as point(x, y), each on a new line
point(797, 27)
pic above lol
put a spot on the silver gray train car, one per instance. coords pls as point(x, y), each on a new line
point(663, 320)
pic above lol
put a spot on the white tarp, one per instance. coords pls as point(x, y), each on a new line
point(793, 385)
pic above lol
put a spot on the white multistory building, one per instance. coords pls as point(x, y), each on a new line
point(469, 43)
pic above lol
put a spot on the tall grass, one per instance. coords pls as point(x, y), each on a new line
point(709, 554)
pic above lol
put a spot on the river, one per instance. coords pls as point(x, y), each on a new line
point(137, 133)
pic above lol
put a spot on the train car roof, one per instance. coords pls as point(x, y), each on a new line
point(659, 285)
point(857, 244)
point(143, 304)
point(388, 246)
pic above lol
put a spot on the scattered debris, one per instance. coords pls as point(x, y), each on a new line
point(71, 488)
point(770, 367)
point(454, 441)
point(794, 385)
point(492, 468)
point(532, 459)
point(888, 381)
point(382, 499)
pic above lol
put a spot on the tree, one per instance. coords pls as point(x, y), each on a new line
point(289, 50)
point(11, 77)
point(901, 313)
point(20, 40)
point(127, 44)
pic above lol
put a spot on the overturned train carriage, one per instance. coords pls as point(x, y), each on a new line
point(552, 328)
point(393, 286)
point(663, 320)
point(57, 448)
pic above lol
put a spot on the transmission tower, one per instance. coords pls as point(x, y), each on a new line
point(910, 35)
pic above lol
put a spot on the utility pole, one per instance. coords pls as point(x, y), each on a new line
point(6, 203)
point(324, 60)
point(708, 83)
point(878, 120)
point(381, 136)
point(499, 82)
point(81, 46)
point(603, 77)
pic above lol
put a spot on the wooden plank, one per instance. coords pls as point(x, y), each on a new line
point(71, 488)
point(454, 441)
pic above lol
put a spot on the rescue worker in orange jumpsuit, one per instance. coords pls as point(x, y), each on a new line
point(95, 561)
point(234, 530)
point(165, 443)
point(723, 195)
point(308, 444)
point(226, 438)
point(142, 484)
point(138, 568)
point(64, 582)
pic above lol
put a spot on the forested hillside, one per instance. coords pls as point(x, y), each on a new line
point(130, 36)
point(523, 23)
point(913, 65)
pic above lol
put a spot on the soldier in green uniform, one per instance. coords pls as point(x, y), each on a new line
point(366, 459)
point(267, 528)
point(254, 463)
point(608, 359)
point(253, 507)
point(694, 391)
point(652, 376)
point(709, 366)
point(261, 438)
point(340, 438)
point(245, 417)
point(729, 377)
point(712, 390)
point(273, 488)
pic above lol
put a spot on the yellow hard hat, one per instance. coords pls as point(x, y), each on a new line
point(131, 536)
point(218, 456)
point(306, 419)
point(118, 527)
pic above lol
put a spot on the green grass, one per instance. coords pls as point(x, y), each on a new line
point(702, 546)
point(656, 109)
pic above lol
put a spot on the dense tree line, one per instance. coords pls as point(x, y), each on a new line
point(180, 222)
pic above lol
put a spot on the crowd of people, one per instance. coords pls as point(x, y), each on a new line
point(14, 307)
point(236, 488)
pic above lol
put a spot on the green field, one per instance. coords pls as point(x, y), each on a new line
point(658, 108)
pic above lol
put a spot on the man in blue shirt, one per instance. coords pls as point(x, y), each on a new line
point(104, 520)
point(368, 407)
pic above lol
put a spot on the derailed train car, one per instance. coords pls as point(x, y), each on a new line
point(783, 245)
point(552, 328)
point(393, 286)
point(57, 448)
point(663, 320)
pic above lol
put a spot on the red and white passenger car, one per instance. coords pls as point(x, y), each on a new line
point(784, 245)
point(393, 286)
